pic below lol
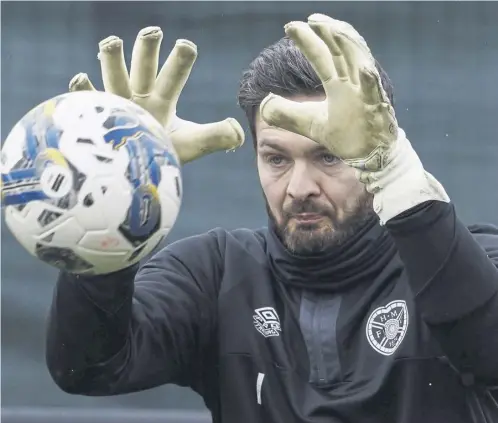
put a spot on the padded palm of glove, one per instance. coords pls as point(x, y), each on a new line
point(356, 121)
point(159, 93)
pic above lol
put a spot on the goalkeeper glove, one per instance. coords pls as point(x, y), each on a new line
point(159, 95)
point(356, 121)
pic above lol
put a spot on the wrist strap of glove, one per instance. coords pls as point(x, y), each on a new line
point(402, 183)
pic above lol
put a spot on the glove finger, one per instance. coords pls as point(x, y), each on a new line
point(313, 48)
point(354, 49)
point(370, 87)
point(175, 71)
point(145, 60)
point(113, 65)
point(293, 116)
point(195, 140)
point(342, 28)
point(324, 31)
point(81, 82)
point(351, 55)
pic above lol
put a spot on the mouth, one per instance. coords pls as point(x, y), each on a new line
point(308, 217)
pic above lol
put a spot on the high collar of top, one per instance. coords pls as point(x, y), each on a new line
point(361, 258)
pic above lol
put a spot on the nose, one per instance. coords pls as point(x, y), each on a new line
point(302, 183)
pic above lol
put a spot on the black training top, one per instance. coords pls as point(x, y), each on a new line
point(399, 325)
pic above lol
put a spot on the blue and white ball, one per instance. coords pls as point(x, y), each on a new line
point(91, 183)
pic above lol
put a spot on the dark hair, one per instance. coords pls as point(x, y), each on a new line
point(283, 70)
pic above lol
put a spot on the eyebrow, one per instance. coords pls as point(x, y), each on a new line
point(271, 144)
point(274, 145)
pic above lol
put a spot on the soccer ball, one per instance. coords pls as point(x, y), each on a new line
point(91, 183)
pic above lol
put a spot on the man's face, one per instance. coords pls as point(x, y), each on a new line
point(314, 199)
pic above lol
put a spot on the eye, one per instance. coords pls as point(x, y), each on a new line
point(275, 160)
point(328, 158)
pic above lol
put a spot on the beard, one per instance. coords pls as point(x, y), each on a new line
point(307, 239)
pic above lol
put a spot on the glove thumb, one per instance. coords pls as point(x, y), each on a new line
point(293, 116)
point(193, 141)
point(80, 82)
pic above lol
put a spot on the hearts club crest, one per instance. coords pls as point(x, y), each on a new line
point(386, 327)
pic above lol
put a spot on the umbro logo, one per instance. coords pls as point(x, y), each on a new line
point(386, 327)
point(267, 322)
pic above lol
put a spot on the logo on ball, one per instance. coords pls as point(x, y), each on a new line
point(56, 181)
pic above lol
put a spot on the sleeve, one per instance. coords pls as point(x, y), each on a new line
point(455, 282)
point(130, 331)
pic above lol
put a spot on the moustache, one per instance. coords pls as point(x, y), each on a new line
point(299, 207)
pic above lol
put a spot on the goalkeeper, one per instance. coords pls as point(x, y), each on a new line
point(366, 300)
